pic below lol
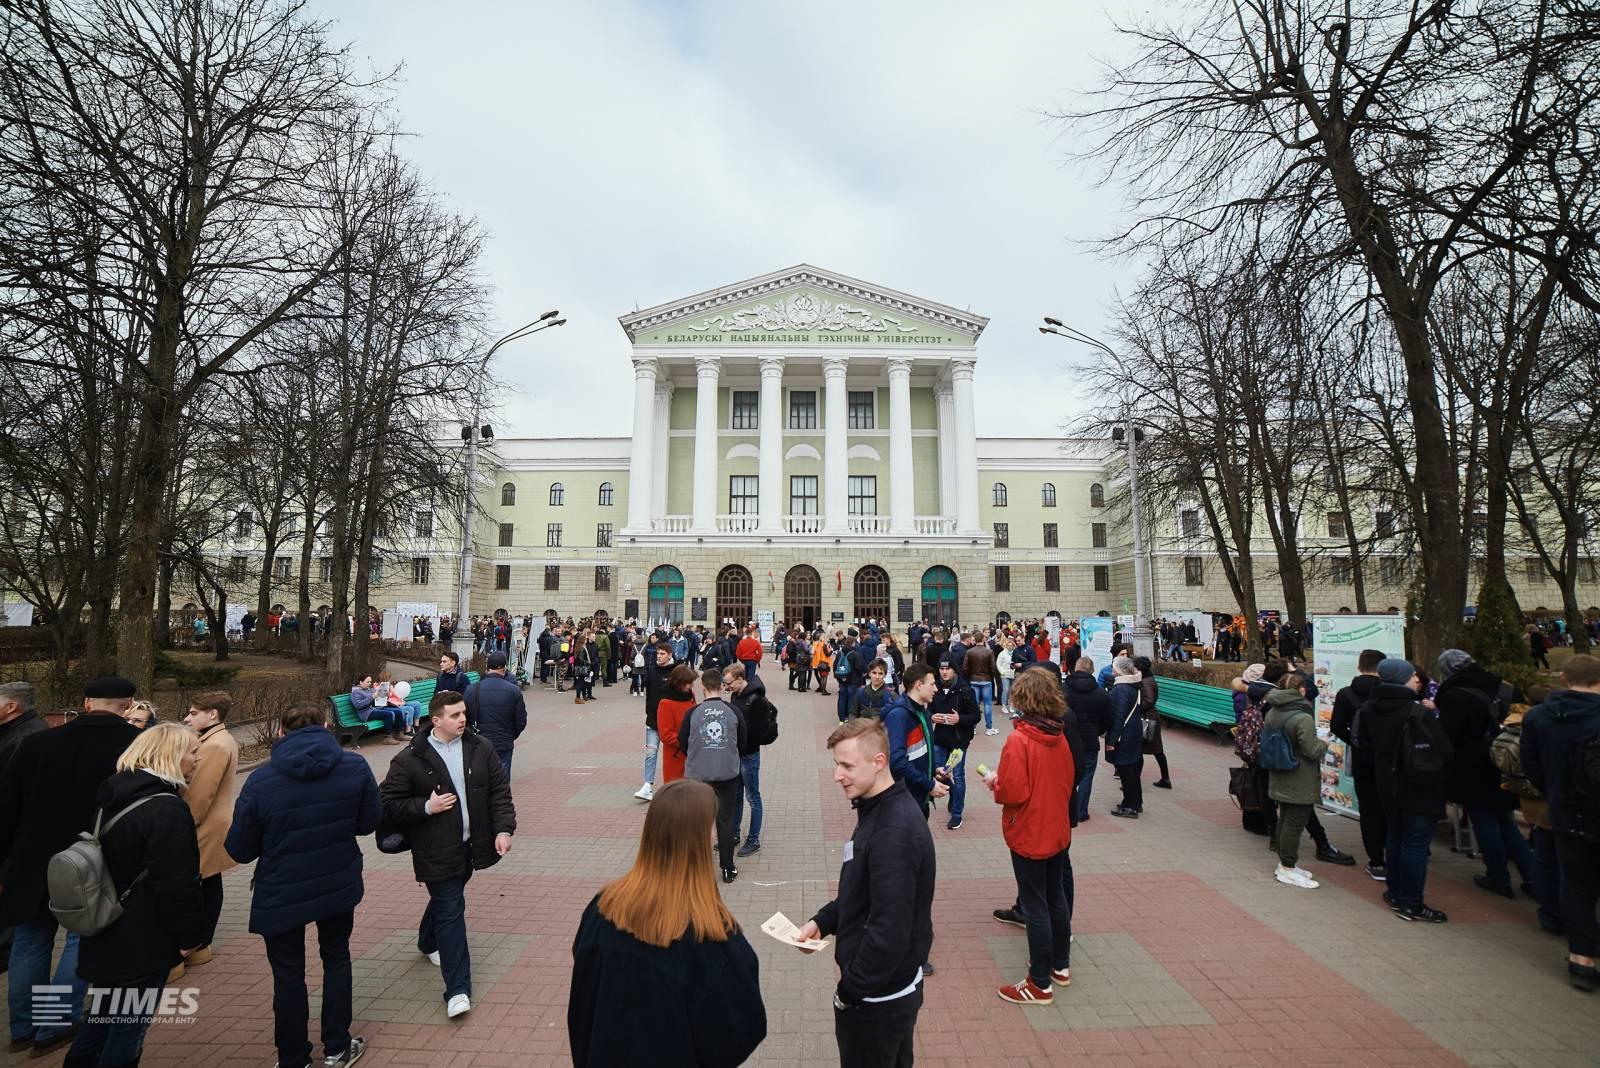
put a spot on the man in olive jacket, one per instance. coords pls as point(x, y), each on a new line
point(448, 792)
point(1296, 791)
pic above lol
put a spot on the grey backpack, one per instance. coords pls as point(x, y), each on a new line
point(82, 896)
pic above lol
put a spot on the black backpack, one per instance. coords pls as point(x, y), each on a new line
point(1424, 750)
point(1583, 789)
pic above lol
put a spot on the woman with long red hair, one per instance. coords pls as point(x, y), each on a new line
point(661, 973)
point(670, 714)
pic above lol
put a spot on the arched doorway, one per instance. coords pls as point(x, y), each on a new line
point(940, 605)
point(802, 596)
point(602, 618)
point(872, 593)
point(665, 606)
point(735, 596)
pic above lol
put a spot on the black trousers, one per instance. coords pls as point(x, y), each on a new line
point(727, 805)
point(211, 903)
point(1580, 888)
point(1374, 824)
point(1132, 788)
point(877, 1034)
point(286, 954)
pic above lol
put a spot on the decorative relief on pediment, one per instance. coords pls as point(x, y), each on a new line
point(802, 311)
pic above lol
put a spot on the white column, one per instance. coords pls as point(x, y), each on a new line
point(705, 444)
point(770, 486)
point(835, 447)
point(640, 461)
point(966, 447)
point(944, 402)
point(902, 496)
point(663, 447)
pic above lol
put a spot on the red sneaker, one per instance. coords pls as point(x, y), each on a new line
point(1025, 993)
point(1060, 977)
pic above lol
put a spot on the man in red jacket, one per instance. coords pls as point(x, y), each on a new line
point(1033, 784)
point(748, 651)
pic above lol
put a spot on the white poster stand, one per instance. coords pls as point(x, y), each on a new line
point(1052, 627)
point(18, 615)
point(1339, 640)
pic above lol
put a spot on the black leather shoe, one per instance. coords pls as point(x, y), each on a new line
point(729, 874)
point(1503, 889)
point(1584, 977)
point(1332, 855)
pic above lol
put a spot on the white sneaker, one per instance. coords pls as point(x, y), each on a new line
point(647, 792)
point(433, 958)
point(1295, 877)
point(459, 1005)
point(992, 731)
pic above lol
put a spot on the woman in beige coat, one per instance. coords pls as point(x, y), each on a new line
point(210, 796)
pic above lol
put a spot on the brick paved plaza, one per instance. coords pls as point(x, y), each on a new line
point(1187, 951)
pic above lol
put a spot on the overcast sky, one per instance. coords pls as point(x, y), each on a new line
point(627, 154)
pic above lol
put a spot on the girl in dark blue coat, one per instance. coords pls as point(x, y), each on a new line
point(1123, 740)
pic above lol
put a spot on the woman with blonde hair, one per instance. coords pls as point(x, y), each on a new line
point(147, 837)
point(141, 714)
point(661, 972)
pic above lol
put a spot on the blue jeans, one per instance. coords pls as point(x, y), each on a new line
point(749, 783)
point(1501, 845)
point(984, 692)
point(846, 694)
point(1080, 799)
point(444, 928)
point(111, 1034)
point(652, 749)
point(286, 953)
point(1407, 853)
point(505, 758)
point(1005, 693)
point(410, 712)
point(958, 788)
point(32, 946)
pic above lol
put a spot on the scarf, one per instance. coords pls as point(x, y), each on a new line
point(1043, 723)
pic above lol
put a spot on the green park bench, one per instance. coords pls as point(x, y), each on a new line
point(349, 726)
point(1207, 707)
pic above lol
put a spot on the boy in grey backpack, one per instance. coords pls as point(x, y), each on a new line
point(715, 730)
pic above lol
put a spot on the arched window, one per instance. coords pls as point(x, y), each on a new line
point(665, 606)
point(558, 495)
point(940, 606)
point(1047, 494)
point(999, 494)
point(1097, 496)
point(735, 596)
point(605, 495)
point(872, 593)
point(508, 495)
point(802, 595)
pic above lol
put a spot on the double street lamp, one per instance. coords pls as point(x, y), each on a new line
point(472, 433)
point(1143, 638)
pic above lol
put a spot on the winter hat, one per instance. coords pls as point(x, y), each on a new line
point(1124, 666)
point(1254, 672)
point(1452, 661)
point(1395, 672)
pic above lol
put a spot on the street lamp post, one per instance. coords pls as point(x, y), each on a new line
point(1142, 638)
point(472, 433)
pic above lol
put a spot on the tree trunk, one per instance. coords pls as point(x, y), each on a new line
point(307, 545)
point(163, 632)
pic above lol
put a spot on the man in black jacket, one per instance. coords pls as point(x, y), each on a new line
point(447, 791)
point(883, 915)
point(760, 719)
point(496, 710)
point(658, 665)
point(1091, 712)
point(1346, 703)
point(47, 797)
point(451, 677)
point(955, 721)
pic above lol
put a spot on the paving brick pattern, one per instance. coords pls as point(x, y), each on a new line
point(1187, 952)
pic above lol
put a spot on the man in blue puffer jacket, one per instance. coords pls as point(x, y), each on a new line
point(300, 816)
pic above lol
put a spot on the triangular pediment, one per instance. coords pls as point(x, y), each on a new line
point(803, 305)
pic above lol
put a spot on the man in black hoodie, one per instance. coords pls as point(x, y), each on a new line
point(955, 721)
point(1346, 703)
point(760, 718)
point(883, 915)
point(1091, 713)
point(658, 664)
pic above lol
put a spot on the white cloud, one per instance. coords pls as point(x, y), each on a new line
point(622, 154)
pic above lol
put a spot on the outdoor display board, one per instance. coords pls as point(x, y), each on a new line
point(1052, 627)
point(1094, 633)
point(1338, 642)
point(768, 624)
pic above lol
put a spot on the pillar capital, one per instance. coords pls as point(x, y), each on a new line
point(646, 367)
point(707, 366)
point(835, 367)
point(943, 391)
point(772, 366)
point(664, 387)
point(962, 369)
point(899, 366)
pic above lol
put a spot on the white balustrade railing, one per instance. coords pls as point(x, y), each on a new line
point(737, 524)
point(934, 524)
point(802, 524)
point(671, 524)
point(869, 524)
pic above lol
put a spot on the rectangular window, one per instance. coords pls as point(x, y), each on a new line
point(861, 410)
point(419, 570)
point(1194, 571)
point(325, 569)
point(1097, 532)
point(1336, 524)
point(1340, 573)
point(1389, 571)
point(375, 573)
point(280, 569)
point(1591, 570)
point(552, 576)
point(1385, 524)
point(507, 534)
point(743, 494)
point(424, 524)
point(502, 576)
point(237, 567)
point(1052, 578)
point(552, 535)
point(802, 494)
point(1002, 535)
point(1533, 569)
point(863, 491)
point(1189, 523)
point(241, 525)
point(602, 535)
point(803, 409)
point(746, 409)
point(291, 526)
point(1051, 540)
point(602, 579)
point(1002, 579)
point(1102, 578)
